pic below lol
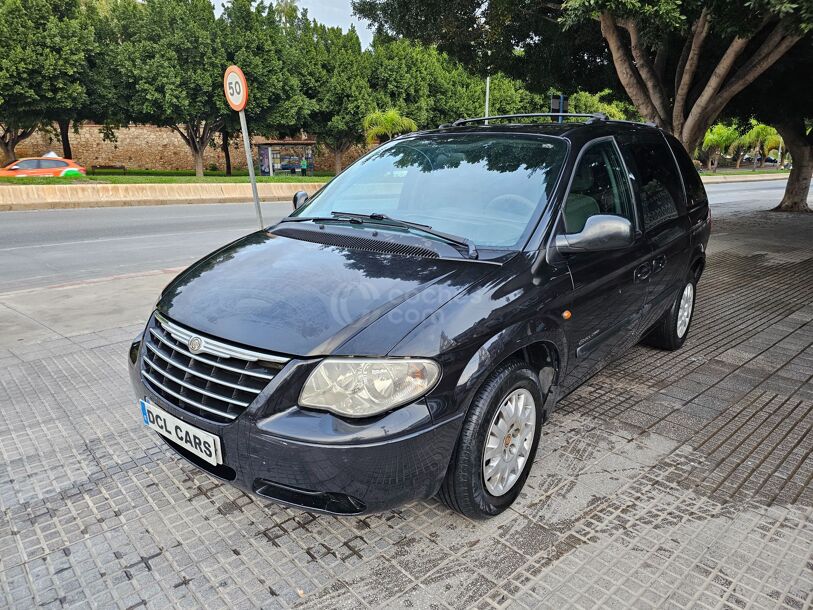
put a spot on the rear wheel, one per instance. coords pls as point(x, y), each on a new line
point(497, 444)
point(671, 330)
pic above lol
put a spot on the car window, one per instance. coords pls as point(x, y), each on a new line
point(487, 188)
point(599, 186)
point(695, 190)
point(659, 184)
point(28, 164)
point(51, 164)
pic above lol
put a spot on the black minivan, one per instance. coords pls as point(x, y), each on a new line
point(407, 330)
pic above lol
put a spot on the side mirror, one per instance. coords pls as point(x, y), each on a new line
point(14, 167)
point(601, 232)
point(299, 199)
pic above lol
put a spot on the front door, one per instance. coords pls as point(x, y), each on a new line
point(609, 287)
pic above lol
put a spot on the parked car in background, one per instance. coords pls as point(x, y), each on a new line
point(42, 167)
point(407, 330)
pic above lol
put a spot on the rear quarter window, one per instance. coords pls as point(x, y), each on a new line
point(695, 191)
point(660, 188)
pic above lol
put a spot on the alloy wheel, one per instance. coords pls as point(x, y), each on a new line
point(509, 442)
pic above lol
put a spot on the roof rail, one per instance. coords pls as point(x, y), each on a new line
point(594, 116)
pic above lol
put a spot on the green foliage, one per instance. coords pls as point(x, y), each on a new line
point(173, 59)
point(720, 137)
point(756, 137)
point(161, 62)
point(254, 39)
point(45, 52)
point(585, 102)
point(343, 98)
point(384, 125)
point(663, 14)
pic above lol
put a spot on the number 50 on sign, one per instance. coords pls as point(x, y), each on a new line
point(235, 88)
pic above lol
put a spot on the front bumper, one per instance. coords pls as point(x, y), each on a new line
point(315, 460)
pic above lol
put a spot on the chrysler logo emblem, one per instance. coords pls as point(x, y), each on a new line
point(195, 343)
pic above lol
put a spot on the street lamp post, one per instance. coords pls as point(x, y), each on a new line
point(488, 94)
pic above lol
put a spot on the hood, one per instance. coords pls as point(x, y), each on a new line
point(299, 298)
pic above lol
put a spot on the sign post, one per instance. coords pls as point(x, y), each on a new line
point(236, 89)
point(559, 103)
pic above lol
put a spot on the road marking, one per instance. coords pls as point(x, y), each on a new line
point(109, 239)
point(96, 280)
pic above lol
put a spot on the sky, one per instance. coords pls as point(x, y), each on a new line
point(337, 12)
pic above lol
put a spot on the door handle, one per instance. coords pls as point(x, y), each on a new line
point(642, 272)
point(658, 263)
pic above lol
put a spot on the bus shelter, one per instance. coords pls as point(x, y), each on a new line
point(286, 156)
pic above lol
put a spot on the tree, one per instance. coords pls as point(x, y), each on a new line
point(798, 136)
point(403, 75)
point(781, 98)
point(254, 39)
point(172, 59)
point(775, 144)
point(655, 47)
point(718, 139)
point(755, 139)
point(521, 38)
point(344, 97)
point(432, 88)
point(41, 66)
point(585, 102)
point(384, 125)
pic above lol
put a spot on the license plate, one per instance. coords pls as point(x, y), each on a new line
point(204, 445)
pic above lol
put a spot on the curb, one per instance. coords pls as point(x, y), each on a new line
point(60, 197)
point(712, 179)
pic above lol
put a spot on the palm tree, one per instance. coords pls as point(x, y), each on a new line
point(775, 144)
point(718, 139)
point(385, 125)
point(755, 139)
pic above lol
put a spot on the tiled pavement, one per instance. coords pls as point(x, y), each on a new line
point(670, 479)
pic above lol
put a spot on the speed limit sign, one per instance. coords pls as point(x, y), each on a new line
point(236, 88)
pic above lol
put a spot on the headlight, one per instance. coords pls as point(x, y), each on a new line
point(361, 387)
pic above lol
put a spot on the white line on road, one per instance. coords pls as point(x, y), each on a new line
point(108, 239)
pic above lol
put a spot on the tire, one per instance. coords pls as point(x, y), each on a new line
point(670, 332)
point(465, 488)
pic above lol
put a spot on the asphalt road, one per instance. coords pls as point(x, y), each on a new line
point(44, 248)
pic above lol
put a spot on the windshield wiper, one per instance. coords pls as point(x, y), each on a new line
point(383, 219)
point(335, 217)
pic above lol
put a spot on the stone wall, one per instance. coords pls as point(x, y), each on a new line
point(150, 147)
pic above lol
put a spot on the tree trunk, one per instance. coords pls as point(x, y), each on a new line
point(65, 137)
point(198, 163)
point(9, 156)
point(10, 136)
point(224, 138)
point(800, 146)
point(337, 161)
point(739, 160)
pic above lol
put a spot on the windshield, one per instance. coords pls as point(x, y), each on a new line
point(483, 188)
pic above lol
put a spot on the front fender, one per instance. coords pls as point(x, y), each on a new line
point(505, 344)
point(484, 325)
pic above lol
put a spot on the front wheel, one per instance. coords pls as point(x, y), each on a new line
point(497, 444)
point(671, 330)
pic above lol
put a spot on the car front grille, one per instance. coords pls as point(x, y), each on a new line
point(203, 376)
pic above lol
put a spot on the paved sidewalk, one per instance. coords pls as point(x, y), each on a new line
point(677, 480)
